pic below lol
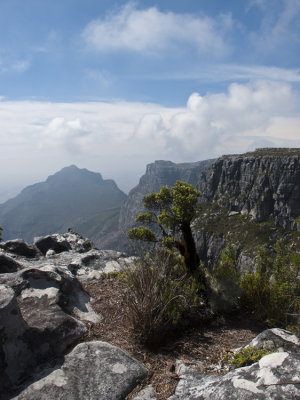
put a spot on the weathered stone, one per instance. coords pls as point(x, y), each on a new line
point(93, 370)
point(34, 329)
point(55, 242)
point(20, 247)
point(264, 184)
point(8, 264)
point(146, 394)
point(44, 294)
point(275, 376)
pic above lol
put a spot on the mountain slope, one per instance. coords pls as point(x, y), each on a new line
point(69, 198)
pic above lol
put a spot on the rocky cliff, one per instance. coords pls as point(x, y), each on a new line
point(157, 174)
point(264, 184)
point(251, 199)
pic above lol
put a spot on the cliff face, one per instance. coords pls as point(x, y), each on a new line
point(264, 184)
point(157, 174)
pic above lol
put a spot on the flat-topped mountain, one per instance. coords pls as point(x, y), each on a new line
point(72, 197)
point(264, 184)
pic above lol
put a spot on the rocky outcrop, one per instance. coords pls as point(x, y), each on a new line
point(264, 184)
point(43, 307)
point(275, 376)
point(157, 174)
point(93, 370)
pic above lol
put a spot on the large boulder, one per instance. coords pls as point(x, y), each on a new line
point(20, 247)
point(93, 370)
point(56, 242)
point(275, 376)
point(36, 324)
point(8, 264)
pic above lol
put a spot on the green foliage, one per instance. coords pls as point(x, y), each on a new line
point(160, 295)
point(272, 292)
point(248, 356)
point(172, 211)
point(142, 233)
point(225, 280)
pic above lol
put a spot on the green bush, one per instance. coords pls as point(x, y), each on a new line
point(273, 291)
point(225, 281)
point(160, 294)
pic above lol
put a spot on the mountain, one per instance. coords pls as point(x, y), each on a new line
point(264, 183)
point(249, 200)
point(157, 174)
point(72, 197)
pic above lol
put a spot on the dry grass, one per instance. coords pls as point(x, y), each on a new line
point(207, 343)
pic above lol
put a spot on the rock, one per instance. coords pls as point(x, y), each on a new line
point(275, 376)
point(19, 247)
point(12, 326)
point(275, 337)
point(232, 213)
point(44, 306)
point(157, 174)
point(37, 326)
point(146, 394)
point(8, 264)
point(34, 329)
point(57, 243)
point(93, 370)
point(264, 184)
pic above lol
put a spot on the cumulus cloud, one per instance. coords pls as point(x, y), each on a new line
point(70, 134)
point(152, 31)
point(119, 139)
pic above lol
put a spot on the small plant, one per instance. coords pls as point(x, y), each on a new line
point(248, 356)
point(160, 293)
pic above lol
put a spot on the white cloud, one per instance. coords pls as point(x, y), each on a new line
point(279, 25)
point(17, 66)
point(152, 31)
point(118, 139)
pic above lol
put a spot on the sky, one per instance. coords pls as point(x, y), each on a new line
point(114, 85)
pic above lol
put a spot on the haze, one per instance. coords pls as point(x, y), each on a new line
point(112, 86)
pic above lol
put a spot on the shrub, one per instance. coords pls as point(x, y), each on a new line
point(225, 281)
point(160, 294)
point(273, 291)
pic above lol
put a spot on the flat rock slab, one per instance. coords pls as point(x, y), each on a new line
point(275, 376)
point(92, 371)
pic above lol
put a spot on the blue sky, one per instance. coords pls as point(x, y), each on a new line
point(114, 85)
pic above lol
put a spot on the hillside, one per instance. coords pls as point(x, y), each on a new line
point(72, 197)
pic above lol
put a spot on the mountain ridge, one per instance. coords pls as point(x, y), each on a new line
point(54, 205)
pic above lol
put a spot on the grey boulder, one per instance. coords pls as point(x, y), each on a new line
point(92, 371)
point(20, 247)
point(275, 376)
